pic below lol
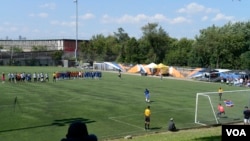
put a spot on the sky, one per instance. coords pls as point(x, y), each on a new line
point(66, 19)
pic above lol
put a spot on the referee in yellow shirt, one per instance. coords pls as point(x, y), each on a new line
point(147, 114)
point(220, 91)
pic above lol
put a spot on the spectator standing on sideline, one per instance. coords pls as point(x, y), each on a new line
point(220, 91)
point(221, 110)
point(246, 114)
point(78, 131)
point(147, 114)
point(147, 95)
point(171, 125)
point(161, 75)
point(119, 73)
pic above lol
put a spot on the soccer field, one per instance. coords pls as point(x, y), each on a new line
point(111, 107)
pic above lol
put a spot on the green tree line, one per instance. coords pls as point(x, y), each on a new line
point(227, 46)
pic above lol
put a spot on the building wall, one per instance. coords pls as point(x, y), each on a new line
point(29, 57)
point(67, 45)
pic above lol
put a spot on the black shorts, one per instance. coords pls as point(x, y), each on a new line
point(220, 113)
point(147, 119)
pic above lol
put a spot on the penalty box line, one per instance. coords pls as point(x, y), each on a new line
point(126, 123)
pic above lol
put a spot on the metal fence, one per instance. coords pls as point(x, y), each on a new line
point(28, 59)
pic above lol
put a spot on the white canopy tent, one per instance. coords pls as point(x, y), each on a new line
point(107, 66)
point(151, 65)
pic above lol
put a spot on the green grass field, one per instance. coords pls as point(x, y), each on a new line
point(111, 107)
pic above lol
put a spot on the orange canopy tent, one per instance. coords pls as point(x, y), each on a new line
point(162, 69)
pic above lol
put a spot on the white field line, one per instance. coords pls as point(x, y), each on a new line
point(126, 123)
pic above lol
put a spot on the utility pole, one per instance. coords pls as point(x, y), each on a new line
point(76, 47)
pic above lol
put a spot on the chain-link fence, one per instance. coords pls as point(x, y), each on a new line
point(44, 58)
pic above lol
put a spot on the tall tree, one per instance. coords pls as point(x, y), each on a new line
point(179, 52)
point(121, 36)
point(155, 41)
point(122, 39)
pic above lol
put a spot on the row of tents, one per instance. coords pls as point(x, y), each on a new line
point(165, 70)
point(155, 69)
point(147, 69)
point(150, 69)
point(196, 73)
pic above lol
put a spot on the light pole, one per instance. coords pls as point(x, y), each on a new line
point(76, 48)
point(11, 55)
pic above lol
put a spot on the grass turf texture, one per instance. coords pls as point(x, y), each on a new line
point(205, 134)
point(111, 107)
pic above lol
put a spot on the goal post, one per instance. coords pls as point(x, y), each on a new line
point(204, 103)
point(232, 101)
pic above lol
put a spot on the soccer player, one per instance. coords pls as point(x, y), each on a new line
point(147, 114)
point(54, 77)
point(34, 77)
point(3, 77)
point(220, 91)
point(147, 95)
point(221, 110)
point(246, 114)
point(46, 77)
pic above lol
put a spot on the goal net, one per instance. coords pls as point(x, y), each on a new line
point(232, 101)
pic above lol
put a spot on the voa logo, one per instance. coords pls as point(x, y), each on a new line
point(236, 132)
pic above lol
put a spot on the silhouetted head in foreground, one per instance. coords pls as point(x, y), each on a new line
point(78, 131)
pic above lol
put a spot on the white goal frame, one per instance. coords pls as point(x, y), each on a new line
point(206, 94)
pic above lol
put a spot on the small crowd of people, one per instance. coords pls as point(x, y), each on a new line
point(25, 77)
point(44, 77)
point(236, 81)
point(78, 74)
